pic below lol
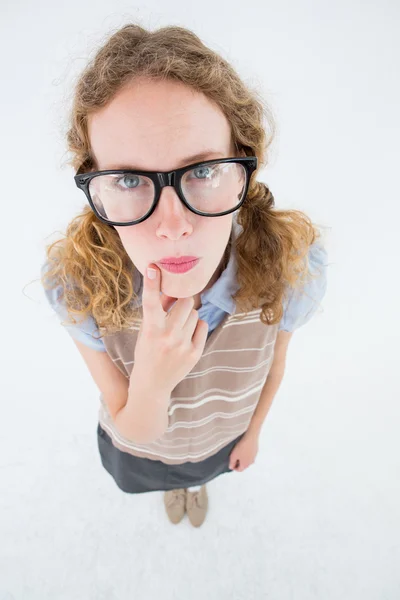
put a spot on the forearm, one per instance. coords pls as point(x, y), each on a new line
point(144, 418)
point(267, 395)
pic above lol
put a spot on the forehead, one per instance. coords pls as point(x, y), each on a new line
point(153, 125)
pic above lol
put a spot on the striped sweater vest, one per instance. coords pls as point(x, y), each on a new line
point(214, 403)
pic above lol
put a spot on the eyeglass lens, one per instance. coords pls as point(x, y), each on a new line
point(128, 197)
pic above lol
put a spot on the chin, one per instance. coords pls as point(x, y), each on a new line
point(183, 285)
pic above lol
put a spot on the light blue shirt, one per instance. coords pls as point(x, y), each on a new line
point(217, 300)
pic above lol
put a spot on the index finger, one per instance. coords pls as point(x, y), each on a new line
point(155, 303)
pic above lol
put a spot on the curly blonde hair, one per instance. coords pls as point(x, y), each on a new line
point(90, 262)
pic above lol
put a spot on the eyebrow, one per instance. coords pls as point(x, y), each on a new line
point(188, 160)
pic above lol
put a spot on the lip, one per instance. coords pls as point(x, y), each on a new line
point(177, 260)
point(179, 268)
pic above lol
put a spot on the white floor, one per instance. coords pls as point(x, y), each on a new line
point(316, 517)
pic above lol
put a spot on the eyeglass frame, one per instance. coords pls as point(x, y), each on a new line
point(163, 179)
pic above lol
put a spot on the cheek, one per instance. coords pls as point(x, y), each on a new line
point(221, 229)
point(134, 242)
point(132, 236)
point(215, 236)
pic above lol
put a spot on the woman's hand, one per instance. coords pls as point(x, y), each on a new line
point(169, 344)
point(245, 452)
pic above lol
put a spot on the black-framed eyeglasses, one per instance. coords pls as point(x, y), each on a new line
point(210, 188)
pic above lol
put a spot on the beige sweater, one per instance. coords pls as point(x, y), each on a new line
point(214, 403)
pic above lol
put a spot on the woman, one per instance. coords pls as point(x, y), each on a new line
point(166, 141)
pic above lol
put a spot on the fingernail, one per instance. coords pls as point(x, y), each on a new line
point(151, 273)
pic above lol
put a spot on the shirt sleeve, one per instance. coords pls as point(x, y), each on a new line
point(84, 330)
point(302, 304)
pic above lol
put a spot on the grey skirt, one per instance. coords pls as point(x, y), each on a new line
point(136, 475)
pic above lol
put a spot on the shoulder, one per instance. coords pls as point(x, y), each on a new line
point(302, 304)
point(85, 331)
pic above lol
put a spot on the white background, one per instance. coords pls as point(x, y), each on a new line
point(317, 516)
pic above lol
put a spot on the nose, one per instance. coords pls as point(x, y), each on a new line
point(170, 203)
point(172, 216)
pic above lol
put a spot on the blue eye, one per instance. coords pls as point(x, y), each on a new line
point(206, 171)
point(128, 177)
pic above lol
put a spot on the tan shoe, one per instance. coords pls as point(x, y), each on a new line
point(196, 506)
point(174, 501)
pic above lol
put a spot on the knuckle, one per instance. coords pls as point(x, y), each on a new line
point(193, 353)
point(165, 341)
point(171, 343)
